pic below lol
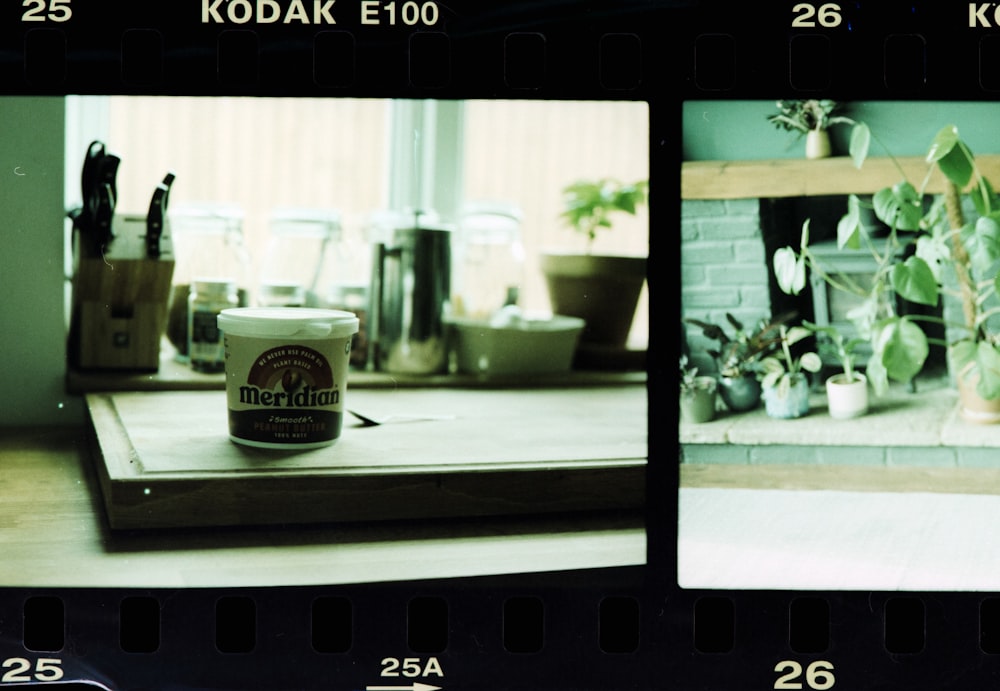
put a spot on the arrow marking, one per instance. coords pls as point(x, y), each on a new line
point(416, 686)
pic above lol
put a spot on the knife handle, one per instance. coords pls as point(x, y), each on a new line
point(109, 173)
point(102, 218)
point(154, 221)
point(168, 180)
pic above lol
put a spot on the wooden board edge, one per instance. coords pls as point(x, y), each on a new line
point(188, 503)
point(118, 456)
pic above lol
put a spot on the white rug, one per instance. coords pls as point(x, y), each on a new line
point(826, 539)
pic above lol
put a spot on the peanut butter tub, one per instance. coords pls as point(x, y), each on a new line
point(286, 374)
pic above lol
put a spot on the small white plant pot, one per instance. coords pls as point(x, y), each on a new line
point(817, 144)
point(847, 399)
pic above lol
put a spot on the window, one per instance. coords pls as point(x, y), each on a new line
point(359, 156)
point(527, 151)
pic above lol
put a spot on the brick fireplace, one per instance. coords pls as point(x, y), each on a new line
point(723, 267)
point(735, 214)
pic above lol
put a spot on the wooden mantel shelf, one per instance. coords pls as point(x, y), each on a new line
point(775, 178)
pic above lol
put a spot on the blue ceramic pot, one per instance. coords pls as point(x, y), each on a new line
point(794, 404)
point(740, 394)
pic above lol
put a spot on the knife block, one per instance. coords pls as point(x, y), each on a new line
point(120, 301)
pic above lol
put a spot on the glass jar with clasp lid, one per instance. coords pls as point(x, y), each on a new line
point(489, 259)
point(208, 242)
point(207, 299)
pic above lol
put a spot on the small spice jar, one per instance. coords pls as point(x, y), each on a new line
point(205, 344)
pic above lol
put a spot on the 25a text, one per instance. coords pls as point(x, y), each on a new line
point(411, 667)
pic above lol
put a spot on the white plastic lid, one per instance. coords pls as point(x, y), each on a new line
point(283, 322)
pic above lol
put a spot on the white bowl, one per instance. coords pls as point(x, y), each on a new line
point(525, 346)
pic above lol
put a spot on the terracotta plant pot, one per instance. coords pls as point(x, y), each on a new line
point(973, 407)
point(847, 399)
point(795, 403)
point(699, 405)
point(601, 290)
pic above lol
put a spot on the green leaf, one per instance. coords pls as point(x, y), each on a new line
point(902, 347)
point(583, 193)
point(861, 138)
point(784, 386)
point(854, 343)
point(911, 210)
point(830, 331)
point(988, 363)
point(934, 250)
point(796, 334)
point(886, 206)
point(627, 198)
point(984, 197)
point(952, 156)
point(789, 271)
point(876, 375)
point(864, 315)
point(811, 362)
point(957, 165)
point(804, 238)
point(849, 227)
point(772, 365)
point(961, 354)
point(915, 281)
point(899, 206)
point(943, 144)
point(771, 378)
point(982, 242)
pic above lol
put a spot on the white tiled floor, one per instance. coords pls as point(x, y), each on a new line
point(736, 538)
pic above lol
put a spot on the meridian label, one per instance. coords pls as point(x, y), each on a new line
point(290, 396)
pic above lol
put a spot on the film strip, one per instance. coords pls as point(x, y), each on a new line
point(824, 603)
point(803, 559)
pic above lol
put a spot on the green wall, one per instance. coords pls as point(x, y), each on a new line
point(739, 130)
point(32, 311)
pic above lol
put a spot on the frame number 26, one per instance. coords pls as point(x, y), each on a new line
point(819, 675)
point(807, 15)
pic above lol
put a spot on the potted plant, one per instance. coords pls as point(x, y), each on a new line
point(810, 118)
point(784, 384)
point(603, 290)
point(738, 357)
point(846, 391)
point(951, 258)
point(898, 344)
point(697, 399)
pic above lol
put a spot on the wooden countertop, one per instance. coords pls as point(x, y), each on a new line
point(54, 533)
point(173, 375)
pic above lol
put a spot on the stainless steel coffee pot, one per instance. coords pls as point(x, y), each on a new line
point(410, 293)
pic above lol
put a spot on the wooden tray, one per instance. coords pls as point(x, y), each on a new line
point(165, 460)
